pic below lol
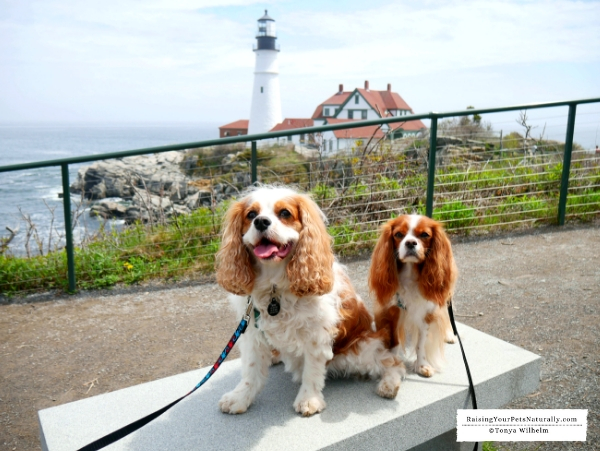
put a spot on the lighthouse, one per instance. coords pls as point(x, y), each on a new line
point(265, 111)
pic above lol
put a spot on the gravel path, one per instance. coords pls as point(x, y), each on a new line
point(537, 289)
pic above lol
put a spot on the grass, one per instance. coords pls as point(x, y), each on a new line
point(171, 251)
point(357, 192)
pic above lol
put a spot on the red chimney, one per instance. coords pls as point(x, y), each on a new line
point(389, 87)
point(367, 85)
point(341, 89)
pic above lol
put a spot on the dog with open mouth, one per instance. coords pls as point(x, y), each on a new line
point(276, 250)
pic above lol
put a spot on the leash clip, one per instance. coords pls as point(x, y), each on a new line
point(248, 309)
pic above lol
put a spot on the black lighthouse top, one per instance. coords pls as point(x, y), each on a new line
point(265, 39)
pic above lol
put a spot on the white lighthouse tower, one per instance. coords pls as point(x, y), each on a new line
point(265, 112)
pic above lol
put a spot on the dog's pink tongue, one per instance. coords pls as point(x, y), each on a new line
point(265, 250)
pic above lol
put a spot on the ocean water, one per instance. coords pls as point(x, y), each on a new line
point(34, 194)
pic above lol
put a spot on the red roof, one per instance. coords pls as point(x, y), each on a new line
point(241, 124)
point(289, 124)
point(337, 99)
point(408, 126)
point(374, 131)
point(381, 101)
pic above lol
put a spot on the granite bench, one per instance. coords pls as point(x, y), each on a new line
point(423, 416)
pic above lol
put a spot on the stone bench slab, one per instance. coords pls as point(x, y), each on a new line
point(423, 415)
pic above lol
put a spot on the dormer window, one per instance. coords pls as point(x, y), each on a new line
point(326, 112)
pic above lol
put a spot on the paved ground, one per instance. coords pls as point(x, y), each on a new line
point(538, 290)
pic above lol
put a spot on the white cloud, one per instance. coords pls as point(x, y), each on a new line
point(401, 40)
point(169, 59)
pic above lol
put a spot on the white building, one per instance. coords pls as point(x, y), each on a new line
point(356, 105)
point(364, 104)
point(265, 112)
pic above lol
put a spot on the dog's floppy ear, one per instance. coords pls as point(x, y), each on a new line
point(233, 261)
point(310, 271)
point(383, 274)
point(439, 273)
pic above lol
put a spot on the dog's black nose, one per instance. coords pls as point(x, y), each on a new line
point(411, 244)
point(261, 223)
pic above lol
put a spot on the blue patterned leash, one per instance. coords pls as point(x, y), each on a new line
point(126, 430)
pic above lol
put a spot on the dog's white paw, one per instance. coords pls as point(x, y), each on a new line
point(388, 388)
point(309, 406)
point(234, 403)
point(450, 338)
point(390, 382)
point(424, 369)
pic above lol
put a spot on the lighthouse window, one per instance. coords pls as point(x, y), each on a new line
point(261, 89)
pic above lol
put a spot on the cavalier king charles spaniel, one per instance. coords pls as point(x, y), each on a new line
point(412, 276)
point(276, 251)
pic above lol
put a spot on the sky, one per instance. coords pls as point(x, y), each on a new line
point(192, 60)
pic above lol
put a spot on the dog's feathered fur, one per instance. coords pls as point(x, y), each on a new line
point(275, 240)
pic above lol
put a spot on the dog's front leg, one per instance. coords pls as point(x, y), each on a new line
point(256, 359)
point(422, 366)
point(310, 397)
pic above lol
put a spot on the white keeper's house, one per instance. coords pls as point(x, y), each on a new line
point(357, 105)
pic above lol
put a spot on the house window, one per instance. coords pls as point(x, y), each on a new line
point(326, 112)
point(261, 89)
point(302, 138)
point(350, 114)
point(226, 134)
point(356, 99)
point(363, 114)
point(289, 138)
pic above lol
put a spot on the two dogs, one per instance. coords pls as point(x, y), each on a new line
point(276, 252)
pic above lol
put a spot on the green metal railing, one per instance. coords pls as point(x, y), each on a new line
point(433, 145)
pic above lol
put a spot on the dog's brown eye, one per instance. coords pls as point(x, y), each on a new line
point(285, 214)
point(424, 235)
point(251, 215)
point(399, 235)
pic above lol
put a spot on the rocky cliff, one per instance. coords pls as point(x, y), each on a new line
point(149, 187)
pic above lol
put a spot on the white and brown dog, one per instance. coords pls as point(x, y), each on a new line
point(276, 249)
point(412, 276)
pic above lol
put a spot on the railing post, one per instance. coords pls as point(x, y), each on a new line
point(564, 183)
point(253, 163)
point(431, 165)
point(68, 226)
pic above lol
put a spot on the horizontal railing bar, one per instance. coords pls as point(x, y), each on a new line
point(480, 226)
point(273, 135)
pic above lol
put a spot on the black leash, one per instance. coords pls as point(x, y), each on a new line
point(471, 386)
point(132, 427)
